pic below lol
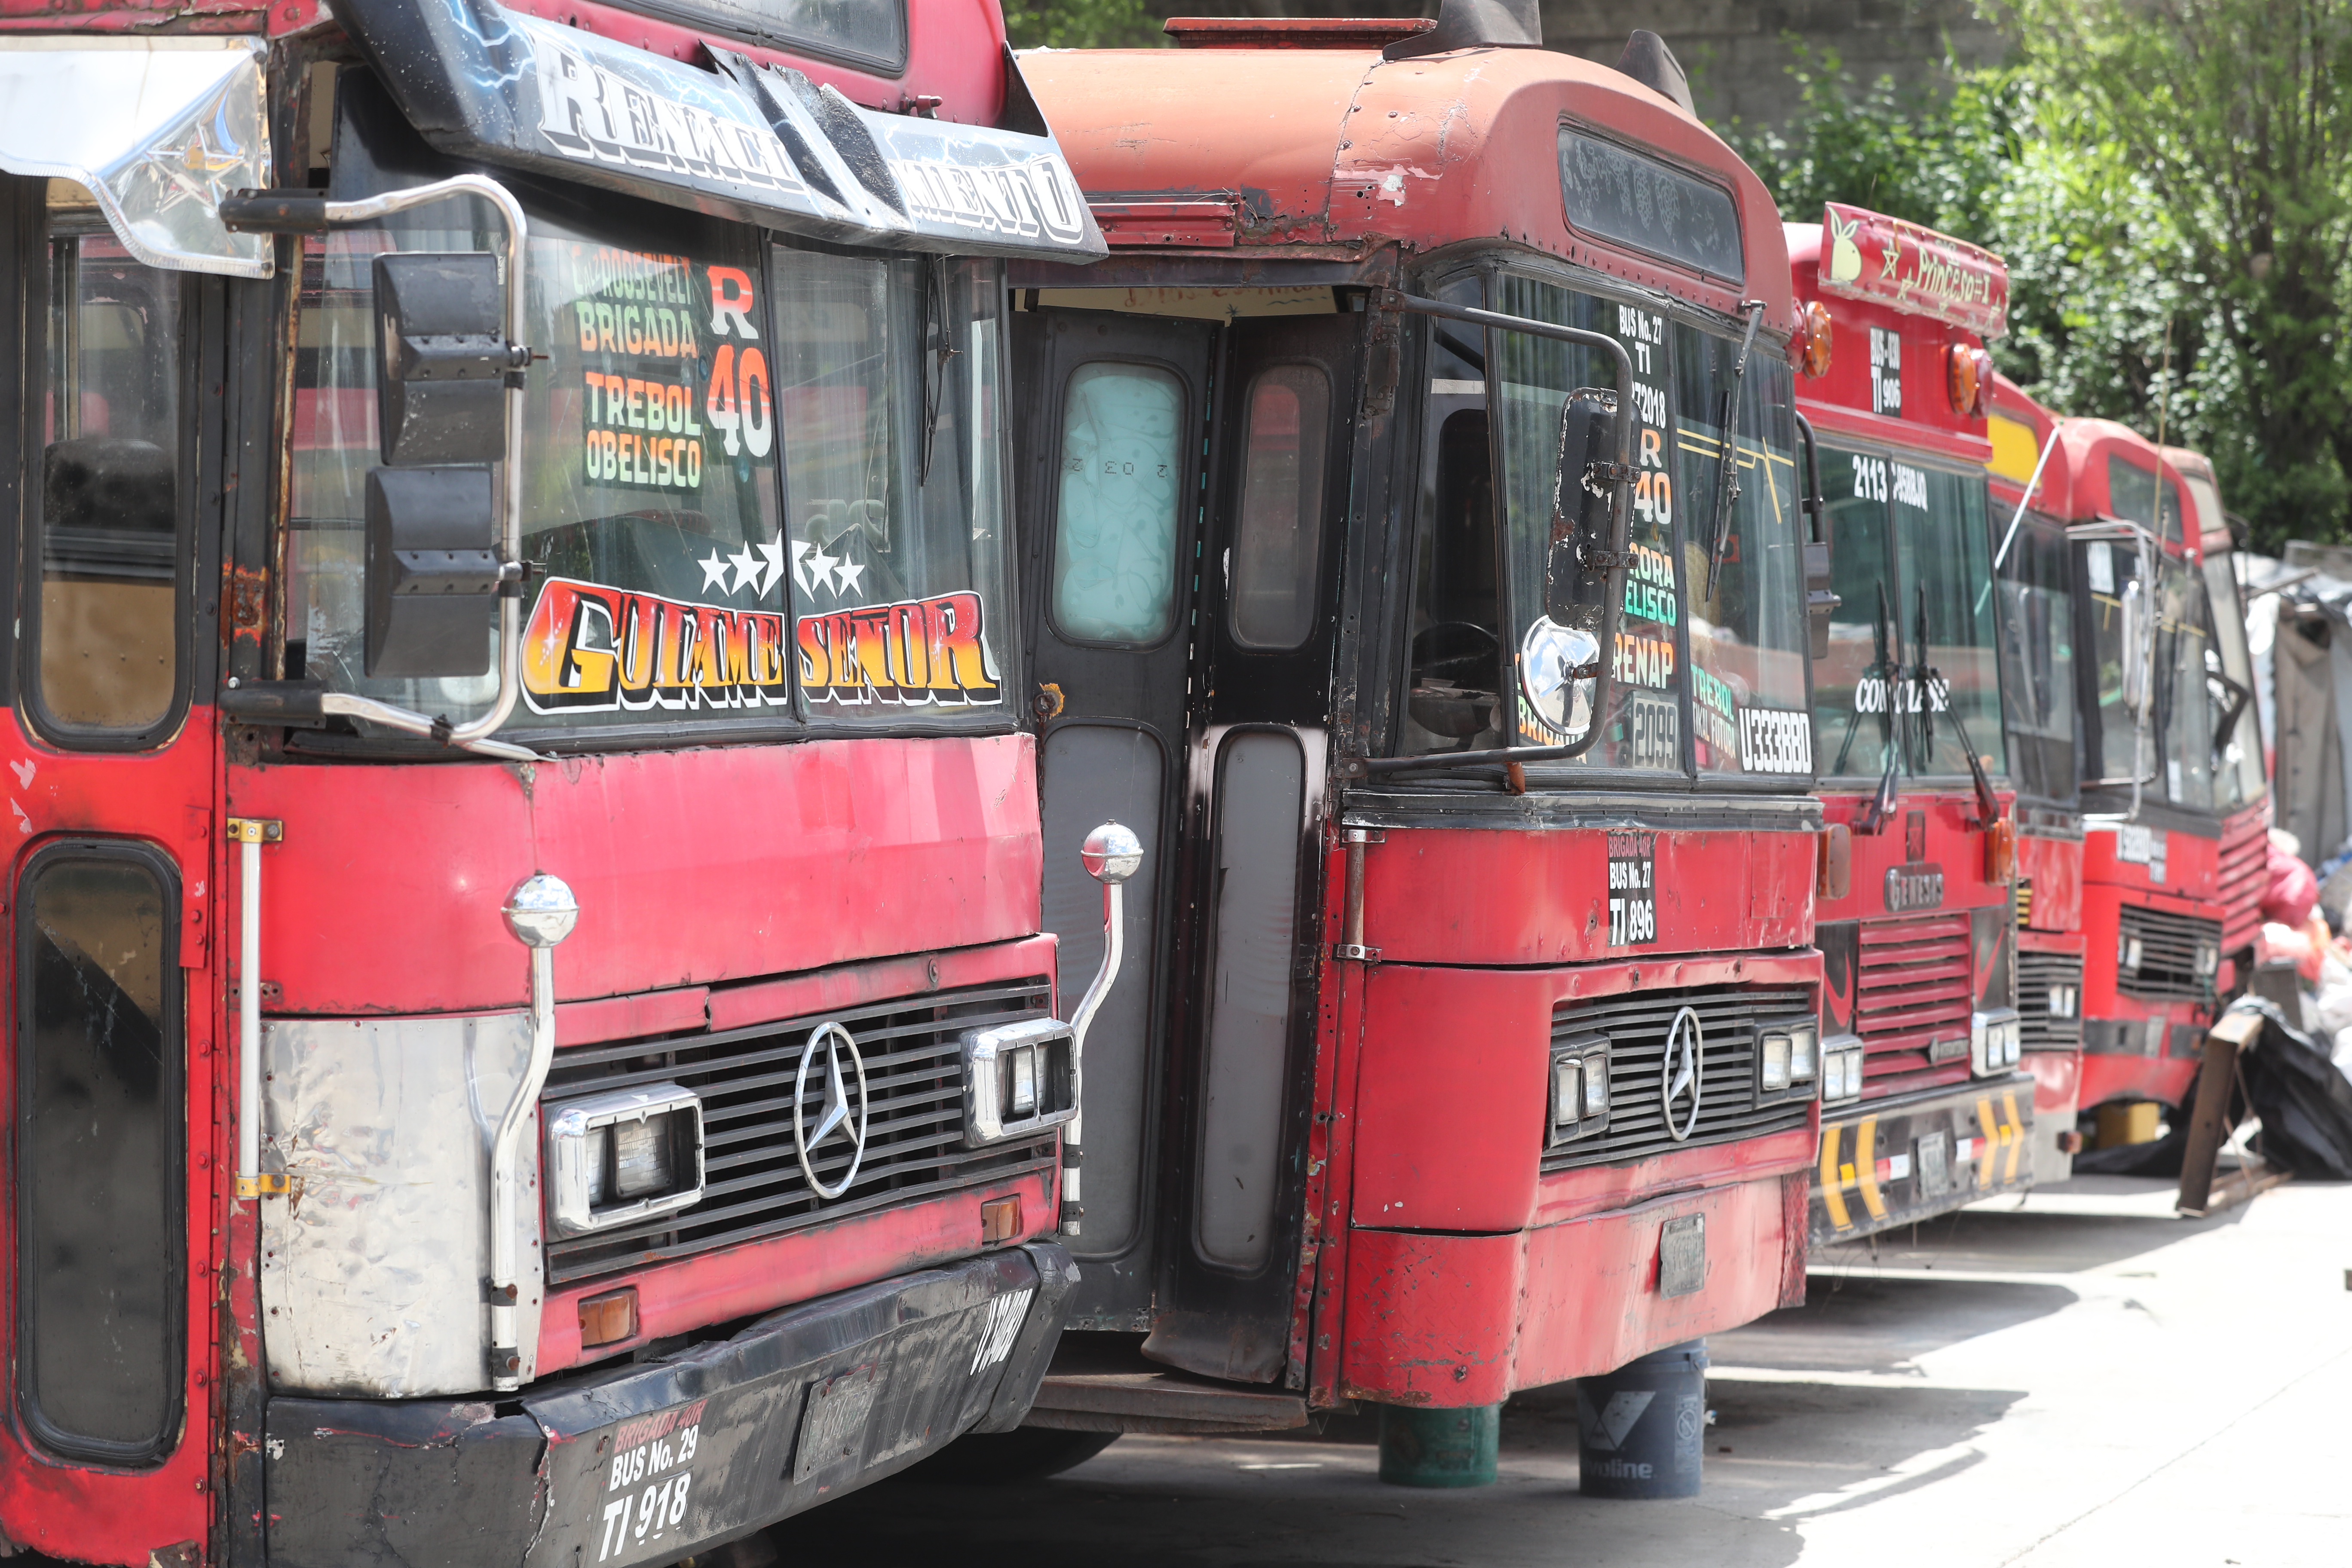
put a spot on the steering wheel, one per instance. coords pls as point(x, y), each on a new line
point(1452, 649)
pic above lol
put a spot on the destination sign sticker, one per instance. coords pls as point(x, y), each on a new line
point(1633, 889)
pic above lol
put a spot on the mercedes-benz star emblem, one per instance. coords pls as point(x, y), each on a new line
point(1680, 1074)
point(833, 1115)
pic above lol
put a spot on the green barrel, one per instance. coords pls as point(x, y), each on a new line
point(1439, 1447)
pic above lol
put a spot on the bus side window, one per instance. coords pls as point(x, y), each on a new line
point(109, 493)
point(1115, 531)
point(1278, 540)
point(1456, 650)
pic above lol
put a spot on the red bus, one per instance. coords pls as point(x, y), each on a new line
point(2030, 484)
point(1386, 575)
point(1925, 1105)
point(480, 476)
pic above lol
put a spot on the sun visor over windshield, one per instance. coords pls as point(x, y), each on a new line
point(157, 130)
point(754, 142)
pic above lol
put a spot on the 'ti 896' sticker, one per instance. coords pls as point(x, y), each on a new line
point(1775, 740)
point(645, 1492)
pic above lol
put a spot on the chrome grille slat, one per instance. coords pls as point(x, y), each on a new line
point(1637, 1028)
point(2036, 973)
point(754, 1185)
point(2168, 943)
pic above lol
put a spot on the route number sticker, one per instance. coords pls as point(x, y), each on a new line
point(645, 1491)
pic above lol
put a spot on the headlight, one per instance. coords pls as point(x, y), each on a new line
point(1019, 1081)
point(1579, 1088)
point(1775, 1065)
point(617, 1158)
point(1804, 1052)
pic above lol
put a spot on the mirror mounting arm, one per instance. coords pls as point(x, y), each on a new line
point(305, 212)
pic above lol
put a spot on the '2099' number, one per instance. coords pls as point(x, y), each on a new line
point(651, 1501)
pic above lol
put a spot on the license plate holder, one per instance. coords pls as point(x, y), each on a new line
point(1682, 1254)
point(834, 1421)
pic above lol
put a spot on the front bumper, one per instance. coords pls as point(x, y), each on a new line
point(649, 1463)
point(1891, 1162)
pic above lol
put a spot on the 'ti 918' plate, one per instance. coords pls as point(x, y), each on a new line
point(1682, 1254)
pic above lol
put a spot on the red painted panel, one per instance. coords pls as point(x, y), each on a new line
point(1512, 895)
point(1951, 844)
point(1455, 1321)
point(2192, 869)
point(1840, 400)
point(1451, 1091)
point(2057, 1083)
point(827, 990)
point(2054, 869)
point(631, 1017)
point(693, 1293)
point(2107, 1077)
point(169, 799)
point(831, 851)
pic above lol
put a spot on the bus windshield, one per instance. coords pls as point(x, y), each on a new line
point(2239, 780)
point(2037, 645)
point(763, 481)
point(1703, 683)
point(1912, 680)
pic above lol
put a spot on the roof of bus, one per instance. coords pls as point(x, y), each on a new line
point(2020, 428)
point(1848, 388)
point(2090, 445)
point(1337, 147)
point(2213, 517)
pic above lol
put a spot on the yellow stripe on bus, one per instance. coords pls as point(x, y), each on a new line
point(2013, 1135)
point(1991, 1131)
point(1833, 1198)
point(1866, 1162)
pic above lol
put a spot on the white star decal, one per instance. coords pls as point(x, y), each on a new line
point(821, 567)
point(849, 576)
point(714, 570)
point(747, 569)
point(771, 565)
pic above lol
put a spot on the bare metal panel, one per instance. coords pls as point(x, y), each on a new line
point(1089, 774)
point(158, 129)
point(1260, 784)
point(372, 1262)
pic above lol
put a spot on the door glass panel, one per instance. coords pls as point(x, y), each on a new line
point(1260, 791)
point(99, 1137)
point(1278, 542)
point(1087, 775)
point(109, 489)
point(1115, 536)
point(2037, 626)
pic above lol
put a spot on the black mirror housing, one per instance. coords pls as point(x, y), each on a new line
point(1583, 533)
point(433, 573)
point(442, 358)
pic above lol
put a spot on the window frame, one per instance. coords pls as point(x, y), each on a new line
point(1488, 267)
point(37, 282)
point(1186, 542)
point(734, 25)
point(174, 1198)
point(783, 723)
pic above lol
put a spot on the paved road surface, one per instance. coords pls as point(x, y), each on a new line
point(2085, 1380)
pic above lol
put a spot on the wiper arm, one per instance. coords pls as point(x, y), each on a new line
point(1727, 475)
point(1874, 816)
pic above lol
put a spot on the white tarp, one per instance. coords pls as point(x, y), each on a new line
point(157, 130)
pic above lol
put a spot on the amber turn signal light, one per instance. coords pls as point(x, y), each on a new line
point(608, 1319)
point(2000, 850)
point(1000, 1220)
point(1809, 345)
point(1834, 862)
point(1968, 381)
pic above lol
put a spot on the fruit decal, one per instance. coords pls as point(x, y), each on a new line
point(1845, 256)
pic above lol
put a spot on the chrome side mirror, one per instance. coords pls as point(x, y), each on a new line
point(1111, 854)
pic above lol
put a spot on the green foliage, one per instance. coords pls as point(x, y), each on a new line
point(2171, 182)
point(1081, 24)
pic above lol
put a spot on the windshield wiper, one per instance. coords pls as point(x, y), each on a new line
point(1889, 662)
point(1727, 475)
point(1930, 677)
